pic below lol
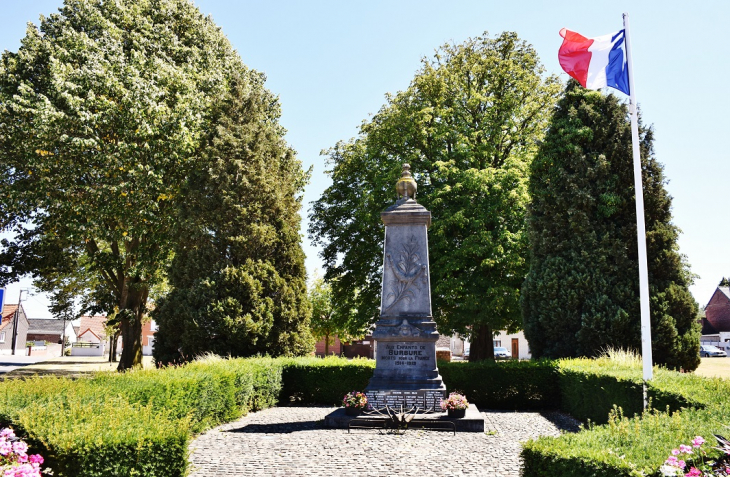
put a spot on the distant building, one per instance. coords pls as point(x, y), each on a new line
point(363, 348)
point(50, 330)
point(149, 328)
point(516, 344)
point(716, 323)
point(91, 337)
point(6, 330)
point(92, 329)
point(335, 347)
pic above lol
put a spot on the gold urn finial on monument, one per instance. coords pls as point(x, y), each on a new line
point(406, 185)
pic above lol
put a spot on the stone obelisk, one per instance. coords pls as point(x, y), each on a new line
point(405, 334)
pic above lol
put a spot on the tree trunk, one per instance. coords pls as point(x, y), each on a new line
point(326, 345)
point(132, 312)
point(482, 343)
point(113, 347)
point(63, 337)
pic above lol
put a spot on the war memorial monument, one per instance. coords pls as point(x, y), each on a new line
point(406, 376)
point(405, 362)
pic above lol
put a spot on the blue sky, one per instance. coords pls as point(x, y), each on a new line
point(331, 63)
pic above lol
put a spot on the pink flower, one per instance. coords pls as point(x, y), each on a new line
point(681, 464)
point(36, 459)
point(20, 447)
point(693, 472)
point(671, 460)
point(5, 447)
point(675, 451)
point(7, 433)
point(23, 470)
point(685, 449)
point(698, 441)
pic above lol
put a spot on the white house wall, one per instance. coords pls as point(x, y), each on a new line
point(505, 341)
point(458, 346)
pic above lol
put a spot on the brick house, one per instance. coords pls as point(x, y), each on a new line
point(50, 330)
point(91, 337)
point(6, 330)
point(149, 328)
point(335, 347)
point(363, 348)
point(716, 323)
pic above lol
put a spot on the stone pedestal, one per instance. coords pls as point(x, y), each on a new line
point(405, 335)
point(473, 421)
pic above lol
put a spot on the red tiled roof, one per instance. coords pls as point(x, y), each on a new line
point(95, 324)
point(8, 313)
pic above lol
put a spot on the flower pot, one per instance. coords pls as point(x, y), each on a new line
point(353, 411)
point(457, 413)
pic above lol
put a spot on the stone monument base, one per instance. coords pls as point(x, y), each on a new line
point(473, 421)
point(407, 396)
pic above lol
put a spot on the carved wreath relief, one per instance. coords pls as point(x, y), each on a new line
point(409, 274)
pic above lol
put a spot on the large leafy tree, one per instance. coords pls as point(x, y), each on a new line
point(238, 282)
point(582, 292)
point(101, 111)
point(468, 125)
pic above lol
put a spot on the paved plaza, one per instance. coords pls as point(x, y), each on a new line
point(290, 441)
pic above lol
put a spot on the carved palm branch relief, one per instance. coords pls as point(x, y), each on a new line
point(407, 271)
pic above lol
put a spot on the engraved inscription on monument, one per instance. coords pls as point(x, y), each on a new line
point(406, 354)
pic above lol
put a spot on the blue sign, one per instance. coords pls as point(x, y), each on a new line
point(2, 299)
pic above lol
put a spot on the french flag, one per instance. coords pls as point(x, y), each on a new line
point(595, 62)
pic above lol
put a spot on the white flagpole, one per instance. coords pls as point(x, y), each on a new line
point(640, 227)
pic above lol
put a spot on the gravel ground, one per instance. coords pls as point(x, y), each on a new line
point(290, 441)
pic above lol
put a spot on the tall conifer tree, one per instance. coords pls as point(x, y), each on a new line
point(581, 294)
point(238, 282)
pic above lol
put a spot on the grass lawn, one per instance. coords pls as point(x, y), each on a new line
point(71, 366)
point(711, 367)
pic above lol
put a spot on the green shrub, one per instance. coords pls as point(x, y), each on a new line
point(136, 423)
point(109, 437)
point(323, 380)
point(630, 443)
point(205, 394)
point(140, 422)
point(622, 447)
point(505, 384)
point(257, 381)
point(590, 388)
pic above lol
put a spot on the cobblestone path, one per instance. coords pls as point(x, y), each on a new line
point(290, 441)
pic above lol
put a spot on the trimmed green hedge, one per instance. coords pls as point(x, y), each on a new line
point(137, 423)
point(323, 381)
point(109, 437)
point(140, 423)
point(505, 384)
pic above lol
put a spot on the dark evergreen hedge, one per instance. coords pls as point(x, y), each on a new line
point(323, 381)
point(505, 384)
